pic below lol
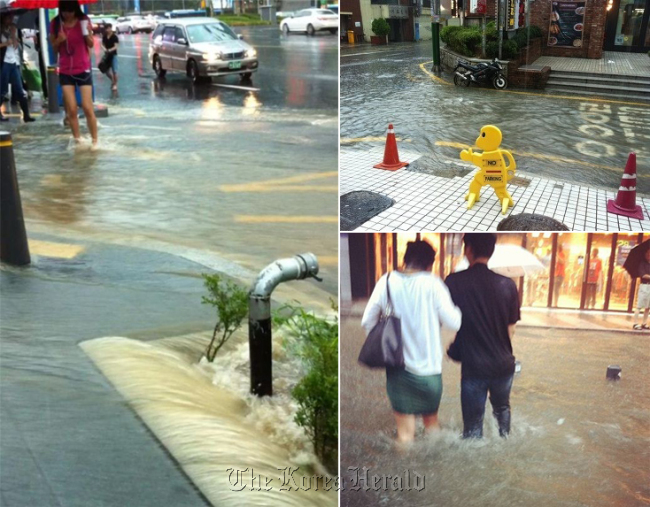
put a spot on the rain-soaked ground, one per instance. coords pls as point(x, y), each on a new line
point(577, 439)
point(246, 171)
point(390, 85)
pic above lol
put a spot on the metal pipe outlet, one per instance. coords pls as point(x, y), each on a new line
point(298, 267)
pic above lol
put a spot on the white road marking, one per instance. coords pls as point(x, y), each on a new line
point(236, 87)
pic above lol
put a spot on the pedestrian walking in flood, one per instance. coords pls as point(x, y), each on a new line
point(11, 59)
point(110, 44)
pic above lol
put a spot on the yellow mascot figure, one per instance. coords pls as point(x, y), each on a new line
point(492, 167)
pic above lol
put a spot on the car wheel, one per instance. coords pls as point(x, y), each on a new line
point(285, 29)
point(157, 67)
point(193, 73)
point(129, 30)
point(310, 30)
point(333, 31)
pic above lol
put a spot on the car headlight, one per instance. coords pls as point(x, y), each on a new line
point(251, 53)
point(212, 57)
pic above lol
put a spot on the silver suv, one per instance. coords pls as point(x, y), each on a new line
point(200, 48)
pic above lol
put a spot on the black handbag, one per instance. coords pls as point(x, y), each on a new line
point(383, 347)
point(105, 63)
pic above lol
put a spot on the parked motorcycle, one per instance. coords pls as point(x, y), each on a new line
point(466, 74)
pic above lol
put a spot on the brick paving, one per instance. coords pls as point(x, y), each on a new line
point(612, 63)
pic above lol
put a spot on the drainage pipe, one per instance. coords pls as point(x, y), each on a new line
point(298, 267)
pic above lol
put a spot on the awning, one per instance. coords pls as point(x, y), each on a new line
point(346, 13)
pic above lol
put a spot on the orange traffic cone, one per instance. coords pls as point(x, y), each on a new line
point(625, 203)
point(391, 157)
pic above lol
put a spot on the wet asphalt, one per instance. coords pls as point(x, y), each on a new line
point(585, 140)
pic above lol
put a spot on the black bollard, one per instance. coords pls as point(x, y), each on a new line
point(14, 248)
point(260, 334)
point(53, 88)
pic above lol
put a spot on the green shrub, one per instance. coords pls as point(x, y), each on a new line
point(465, 41)
point(447, 31)
point(525, 35)
point(380, 27)
point(315, 340)
point(231, 302)
point(509, 50)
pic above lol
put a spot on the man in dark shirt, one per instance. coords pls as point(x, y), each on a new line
point(490, 306)
point(110, 43)
point(643, 297)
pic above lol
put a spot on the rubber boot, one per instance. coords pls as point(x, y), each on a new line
point(24, 105)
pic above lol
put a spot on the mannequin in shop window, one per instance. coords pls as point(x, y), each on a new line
point(643, 297)
point(594, 273)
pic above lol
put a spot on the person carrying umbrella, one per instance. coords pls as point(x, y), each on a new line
point(643, 296)
point(11, 60)
point(72, 38)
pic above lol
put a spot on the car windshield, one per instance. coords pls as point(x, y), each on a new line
point(212, 32)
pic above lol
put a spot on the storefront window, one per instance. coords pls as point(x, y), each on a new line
point(536, 286)
point(628, 26)
point(568, 290)
point(621, 280)
point(453, 252)
point(383, 254)
point(597, 272)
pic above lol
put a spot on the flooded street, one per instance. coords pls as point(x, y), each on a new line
point(577, 439)
point(571, 139)
point(244, 170)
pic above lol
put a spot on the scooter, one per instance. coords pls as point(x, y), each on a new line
point(466, 74)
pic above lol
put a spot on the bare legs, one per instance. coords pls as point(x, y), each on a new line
point(72, 111)
point(406, 426)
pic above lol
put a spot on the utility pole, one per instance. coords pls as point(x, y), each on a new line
point(500, 25)
point(435, 34)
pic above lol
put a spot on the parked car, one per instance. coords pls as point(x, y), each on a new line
point(200, 48)
point(134, 24)
point(311, 21)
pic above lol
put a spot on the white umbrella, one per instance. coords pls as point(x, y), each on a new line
point(510, 260)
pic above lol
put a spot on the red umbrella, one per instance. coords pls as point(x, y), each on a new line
point(42, 4)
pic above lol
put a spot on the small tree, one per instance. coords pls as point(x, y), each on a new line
point(231, 303)
point(380, 27)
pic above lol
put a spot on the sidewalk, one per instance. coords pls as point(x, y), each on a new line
point(546, 318)
point(426, 202)
point(68, 438)
point(612, 63)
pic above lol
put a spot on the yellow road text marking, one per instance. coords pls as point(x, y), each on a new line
point(286, 184)
point(285, 219)
point(542, 156)
point(547, 95)
point(56, 250)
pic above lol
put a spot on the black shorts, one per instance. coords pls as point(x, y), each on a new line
point(83, 79)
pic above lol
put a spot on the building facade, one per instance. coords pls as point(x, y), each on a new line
point(562, 284)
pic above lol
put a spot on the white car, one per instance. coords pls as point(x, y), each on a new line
point(311, 21)
point(134, 24)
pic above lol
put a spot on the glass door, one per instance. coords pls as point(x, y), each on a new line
point(627, 26)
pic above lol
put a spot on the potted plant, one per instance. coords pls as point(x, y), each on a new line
point(381, 29)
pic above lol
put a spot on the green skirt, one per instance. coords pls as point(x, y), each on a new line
point(413, 394)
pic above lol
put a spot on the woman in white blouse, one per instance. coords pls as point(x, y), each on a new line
point(422, 302)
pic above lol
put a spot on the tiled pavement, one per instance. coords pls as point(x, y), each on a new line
point(425, 202)
point(620, 64)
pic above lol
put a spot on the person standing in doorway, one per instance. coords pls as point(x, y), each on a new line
point(72, 38)
point(594, 270)
point(11, 50)
point(560, 273)
point(110, 43)
point(643, 296)
point(490, 306)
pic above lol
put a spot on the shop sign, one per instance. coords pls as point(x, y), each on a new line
point(398, 11)
point(481, 7)
point(566, 24)
point(511, 15)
